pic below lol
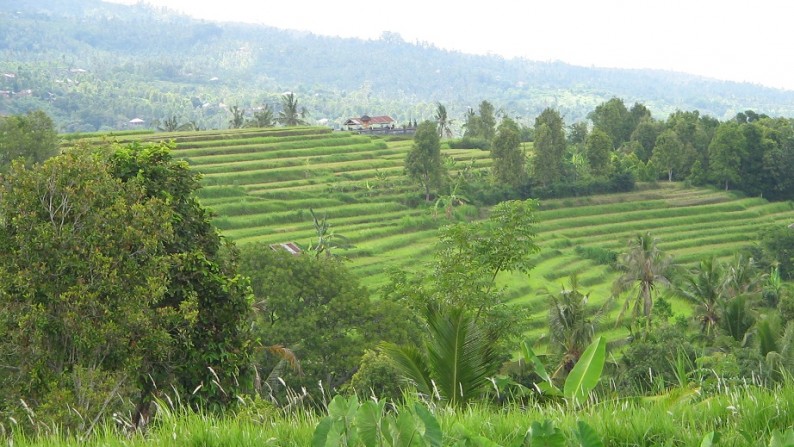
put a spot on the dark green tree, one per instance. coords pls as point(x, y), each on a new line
point(202, 280)
point(669, 153)
point(509, 159)
point(777, 248)
point(128, 292)
point(598, 150)
point(549, 147)
point(31, 137)
point(315, 307)
point(646, 133)
point(613, 118)
point(487, 121)
point(423, 162)
point(726, 151)
point(578, 133)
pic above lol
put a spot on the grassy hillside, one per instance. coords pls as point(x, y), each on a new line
point(263, 182)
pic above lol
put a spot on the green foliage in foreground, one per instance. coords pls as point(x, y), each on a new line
point(746, 415)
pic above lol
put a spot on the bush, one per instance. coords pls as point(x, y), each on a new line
point(376, 376)
point(469, 143)
point(650, 363)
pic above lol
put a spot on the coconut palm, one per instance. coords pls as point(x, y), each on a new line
point(262, 118)
point(743, 277)
point(455, 362)
point(776, 345)
point(705, 287)
point(443, 122)
point(644, 267)
point(571, 325)
point(290, 114)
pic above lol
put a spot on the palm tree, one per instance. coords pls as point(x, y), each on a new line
point(471, 124)
point(290, 114)
point(443, 122)
point(262, 118)
point(743, 277)
point(455, 362)
point(776, 345)
point(705, 287)
point(644, 267)
point(238, 117)
point(571, 325)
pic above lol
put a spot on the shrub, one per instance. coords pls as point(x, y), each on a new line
point(376, 376)
point(469, 143)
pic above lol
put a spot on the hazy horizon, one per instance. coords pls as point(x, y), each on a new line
point(729, 41)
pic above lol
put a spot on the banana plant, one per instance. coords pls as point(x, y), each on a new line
point(580, 381)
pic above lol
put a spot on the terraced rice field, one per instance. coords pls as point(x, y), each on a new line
point(262, 183)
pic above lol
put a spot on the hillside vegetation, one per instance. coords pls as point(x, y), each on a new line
point(68, 58)
point(263, 183)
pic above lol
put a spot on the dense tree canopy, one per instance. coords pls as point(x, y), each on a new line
point(509, 159)
point(114, 281)
point(31, 136)
point(549, 147)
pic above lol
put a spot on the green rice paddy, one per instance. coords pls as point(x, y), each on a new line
point(262, 183)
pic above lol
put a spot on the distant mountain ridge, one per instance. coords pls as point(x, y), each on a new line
point(95, 65)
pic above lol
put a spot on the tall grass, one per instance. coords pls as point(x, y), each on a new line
point(745, 415)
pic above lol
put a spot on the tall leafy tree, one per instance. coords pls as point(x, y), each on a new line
point(644, 267)
point(509, 159)
point(759, 140)
point(578, 133)
point(669, 153)
point(726, 151)
point(549, 147)
point(598, 150)
point(615, 119)
point(31, 137)
point(423, 162)
point(291, 114)
point(124, 282)
point(314, 306)
point(645, 134)
point(79, 279)
point(202, 279)
point(695, 132)
point(487, 120)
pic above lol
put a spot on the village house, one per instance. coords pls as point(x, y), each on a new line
point(369, 122)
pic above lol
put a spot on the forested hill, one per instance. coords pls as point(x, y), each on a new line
point(93, 65)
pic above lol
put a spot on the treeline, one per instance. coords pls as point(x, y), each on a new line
point(617, 145)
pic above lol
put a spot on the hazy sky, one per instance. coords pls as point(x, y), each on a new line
point(750, 41)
